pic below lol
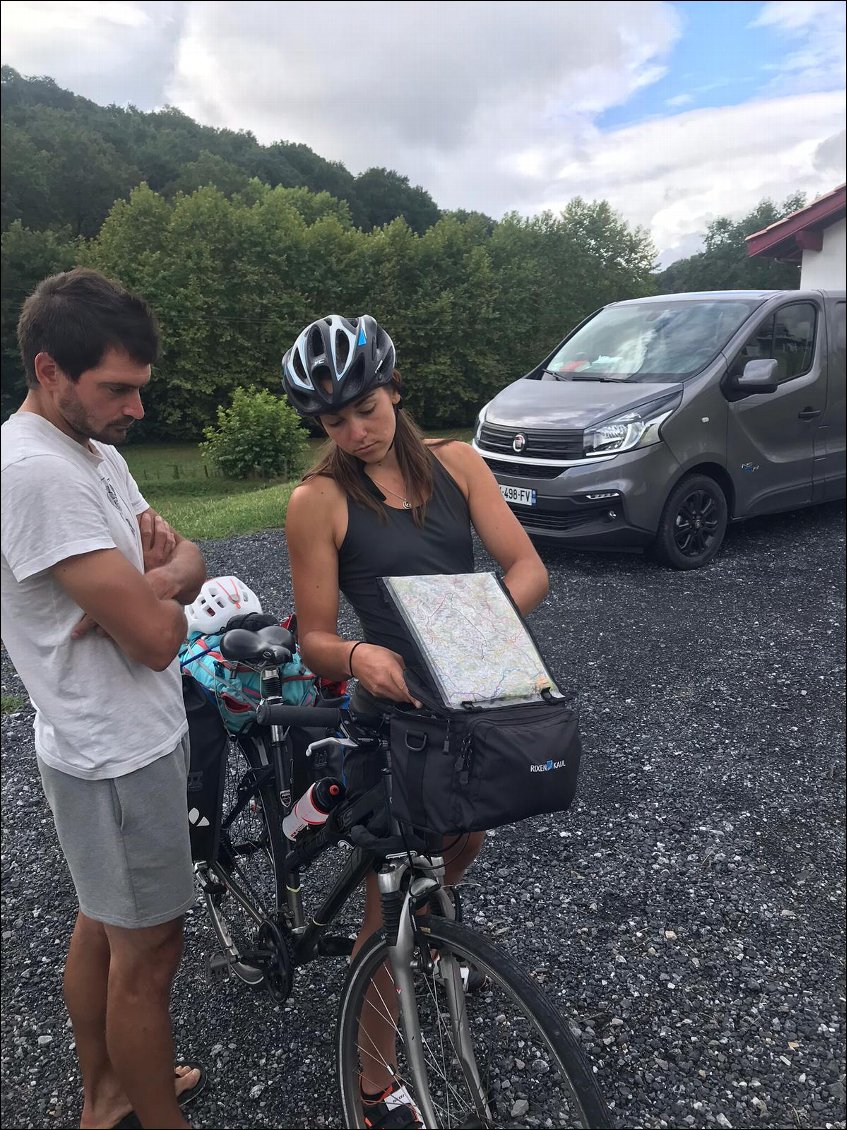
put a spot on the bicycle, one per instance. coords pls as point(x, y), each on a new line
point(499, 1057)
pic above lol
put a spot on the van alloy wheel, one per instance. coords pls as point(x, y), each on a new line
point(696, 524)
point(693, 523)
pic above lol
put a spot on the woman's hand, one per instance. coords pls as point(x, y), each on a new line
point(380, 671)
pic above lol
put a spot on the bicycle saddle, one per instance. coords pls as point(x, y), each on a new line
point(269, 647)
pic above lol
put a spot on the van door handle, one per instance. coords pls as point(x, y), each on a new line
point(809, 414)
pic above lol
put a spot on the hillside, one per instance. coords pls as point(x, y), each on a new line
point(65, 160)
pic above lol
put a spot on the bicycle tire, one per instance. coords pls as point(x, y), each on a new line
point(250, 855)
point(555, 1087)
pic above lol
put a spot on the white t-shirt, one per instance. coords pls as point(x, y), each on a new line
point(98, 713)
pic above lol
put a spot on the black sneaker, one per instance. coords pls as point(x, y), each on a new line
point(394, 1109)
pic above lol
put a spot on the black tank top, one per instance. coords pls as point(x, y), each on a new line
point(399, 548)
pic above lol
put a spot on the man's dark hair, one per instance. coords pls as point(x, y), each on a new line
point(76, 316)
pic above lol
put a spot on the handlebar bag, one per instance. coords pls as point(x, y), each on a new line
point(497, 741)
point(479, 768)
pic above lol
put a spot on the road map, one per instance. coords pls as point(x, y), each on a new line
point(473, 640)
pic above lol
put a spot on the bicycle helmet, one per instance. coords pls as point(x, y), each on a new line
point(218, 601)
point(334, 361)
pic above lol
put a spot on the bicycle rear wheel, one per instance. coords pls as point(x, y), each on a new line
point(500, 1056)
point(247, 905)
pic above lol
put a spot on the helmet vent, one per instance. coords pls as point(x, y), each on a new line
point(356, 373)
point(316, 343)
point(298, 367)
point(342, 350)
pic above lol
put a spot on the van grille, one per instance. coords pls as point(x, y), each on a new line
point(525, 470)
point(558, 443)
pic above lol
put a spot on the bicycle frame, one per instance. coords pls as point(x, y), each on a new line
point(406, 881)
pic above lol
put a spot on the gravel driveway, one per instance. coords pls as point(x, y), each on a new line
point(687, 914)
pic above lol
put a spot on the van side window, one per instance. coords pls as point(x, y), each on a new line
point(788, 337)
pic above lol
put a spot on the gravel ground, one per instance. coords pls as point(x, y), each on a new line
point(687, 914)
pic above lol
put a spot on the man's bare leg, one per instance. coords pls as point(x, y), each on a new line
point(86, 982)
point(138, 1023)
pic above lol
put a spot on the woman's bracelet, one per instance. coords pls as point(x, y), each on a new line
point(350, 657)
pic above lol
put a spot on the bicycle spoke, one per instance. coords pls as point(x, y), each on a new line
point(488, 1059)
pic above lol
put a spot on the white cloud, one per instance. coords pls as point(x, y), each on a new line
point(675, 175)
point(488, 107)
point(350, 79)
point(110, 52)
point(813, 33)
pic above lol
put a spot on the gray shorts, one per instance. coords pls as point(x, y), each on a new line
point(126, 841)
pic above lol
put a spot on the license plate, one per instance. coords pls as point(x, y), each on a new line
point(520, 496)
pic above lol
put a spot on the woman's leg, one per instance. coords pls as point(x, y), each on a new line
point(378, 1026)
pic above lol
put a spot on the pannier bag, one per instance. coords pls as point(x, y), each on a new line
point(236, 689)
point(209, 748)
point(496, 741)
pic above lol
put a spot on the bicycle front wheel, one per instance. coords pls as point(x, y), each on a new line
point(495, 1051)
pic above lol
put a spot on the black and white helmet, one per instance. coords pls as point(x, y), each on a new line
point(334, 361)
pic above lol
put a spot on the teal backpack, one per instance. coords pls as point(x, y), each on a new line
point(234, 688)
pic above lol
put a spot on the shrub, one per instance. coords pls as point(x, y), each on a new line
point(258, 436)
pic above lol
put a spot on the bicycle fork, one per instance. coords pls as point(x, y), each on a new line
point(399, 919)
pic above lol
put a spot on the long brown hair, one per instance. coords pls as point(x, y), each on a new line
point(414, 457)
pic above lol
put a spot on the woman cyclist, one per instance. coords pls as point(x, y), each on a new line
point(383, 501)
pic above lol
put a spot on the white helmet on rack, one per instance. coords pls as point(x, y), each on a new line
point(218, 601)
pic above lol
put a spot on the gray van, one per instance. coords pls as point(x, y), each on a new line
point(659, 420)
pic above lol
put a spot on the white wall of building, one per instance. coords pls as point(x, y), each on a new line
point(825, 269)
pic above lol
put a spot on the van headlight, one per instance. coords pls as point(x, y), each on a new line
point(639, 427)
point(480, 420)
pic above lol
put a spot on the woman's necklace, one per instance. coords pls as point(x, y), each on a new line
point(406, 504)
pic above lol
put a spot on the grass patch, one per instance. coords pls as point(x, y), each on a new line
point(190, 494)
point(11, 703)
point(167, 462)
point(223, 514)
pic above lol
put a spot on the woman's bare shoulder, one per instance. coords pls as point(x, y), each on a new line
point(314, 498)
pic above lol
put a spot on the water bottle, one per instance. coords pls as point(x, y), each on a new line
point(313, 807)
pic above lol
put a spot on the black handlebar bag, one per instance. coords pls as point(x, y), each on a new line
point(496, 741)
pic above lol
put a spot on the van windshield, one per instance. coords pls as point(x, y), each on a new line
point(651, 341)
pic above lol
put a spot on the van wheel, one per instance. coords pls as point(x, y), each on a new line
point(693, 524)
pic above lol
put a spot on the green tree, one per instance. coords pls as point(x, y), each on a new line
point(724, 263)
point(258, 436)
point(385, 195)
point(28, 257)
point(555, 270)
point(25, 180)
point(209, 169)
point(98, 153)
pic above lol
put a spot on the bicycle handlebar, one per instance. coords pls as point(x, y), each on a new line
point(314, 717)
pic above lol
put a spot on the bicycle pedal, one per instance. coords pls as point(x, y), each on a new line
point(335, 946)
point(217, 967)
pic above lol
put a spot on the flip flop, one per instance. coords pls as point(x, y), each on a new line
point(130, 1120)
point(190, 1093)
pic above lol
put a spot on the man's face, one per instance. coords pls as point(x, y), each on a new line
point(105, 402)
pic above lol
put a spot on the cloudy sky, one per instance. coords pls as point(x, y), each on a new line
point(673, 112)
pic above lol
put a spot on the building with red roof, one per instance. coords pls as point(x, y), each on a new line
point(815, 237)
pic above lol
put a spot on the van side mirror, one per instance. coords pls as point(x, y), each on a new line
point(758, 376)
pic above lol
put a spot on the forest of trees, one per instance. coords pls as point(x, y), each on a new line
point(237, 245)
